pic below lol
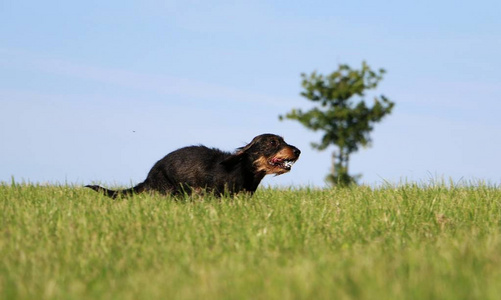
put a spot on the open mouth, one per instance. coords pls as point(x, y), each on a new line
point(283, 163)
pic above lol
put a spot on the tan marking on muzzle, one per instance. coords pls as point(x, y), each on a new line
point(286, 153)
point(265, 164)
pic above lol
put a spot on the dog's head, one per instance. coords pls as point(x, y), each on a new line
point(270, 154)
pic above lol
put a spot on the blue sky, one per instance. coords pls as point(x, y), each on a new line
point(98, 91)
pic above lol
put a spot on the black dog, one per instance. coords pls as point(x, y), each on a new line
point(198, 168)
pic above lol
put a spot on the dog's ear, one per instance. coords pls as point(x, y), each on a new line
point(238, 156)
point(231, 161)
point(244, 149)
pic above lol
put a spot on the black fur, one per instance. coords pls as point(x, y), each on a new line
point(200, 168)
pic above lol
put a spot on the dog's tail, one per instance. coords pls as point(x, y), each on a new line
point(114, 194)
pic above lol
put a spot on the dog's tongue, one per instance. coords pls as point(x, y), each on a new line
point(284, 163)
point(276, 160)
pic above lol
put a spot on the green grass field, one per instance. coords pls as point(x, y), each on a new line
point(407, 242)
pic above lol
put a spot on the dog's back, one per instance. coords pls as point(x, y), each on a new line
point(191, 168)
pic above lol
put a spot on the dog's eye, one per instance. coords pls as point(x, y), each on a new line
point(274, 143)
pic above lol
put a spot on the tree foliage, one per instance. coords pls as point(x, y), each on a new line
point(342, 113)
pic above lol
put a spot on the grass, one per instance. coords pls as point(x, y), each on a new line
point(407, 242)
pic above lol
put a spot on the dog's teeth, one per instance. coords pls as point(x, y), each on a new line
point(288, 163)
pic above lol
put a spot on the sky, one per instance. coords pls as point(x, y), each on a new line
point(98, 91)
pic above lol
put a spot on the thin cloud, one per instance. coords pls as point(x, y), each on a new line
point(161, 84)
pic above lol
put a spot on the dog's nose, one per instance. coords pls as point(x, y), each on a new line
point(296, 151)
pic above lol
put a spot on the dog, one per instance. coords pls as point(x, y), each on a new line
point(199, 168)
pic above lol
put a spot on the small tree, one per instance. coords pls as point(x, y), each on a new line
point(346, 123)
